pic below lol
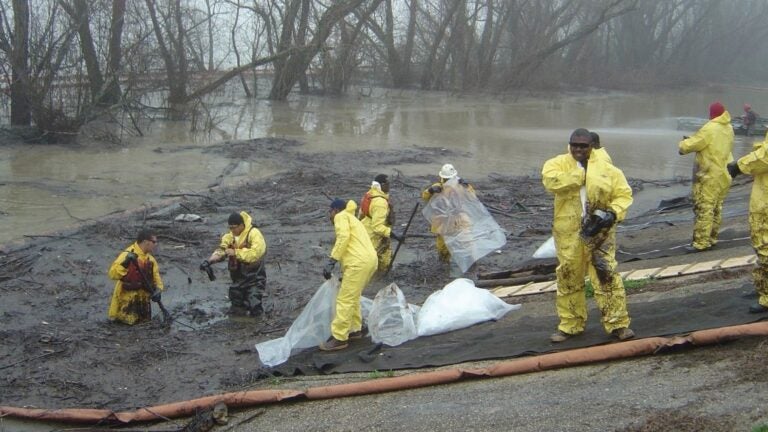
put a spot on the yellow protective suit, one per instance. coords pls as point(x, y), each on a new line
point(249, 277)
point(354, 251)
point(756, 164)
point(379, 226)
point(713, 144)
point(601, 153)
point(442, 250)
point(132, 306)
point(606, 189)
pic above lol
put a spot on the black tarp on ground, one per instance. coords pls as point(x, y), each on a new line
point(516, 336)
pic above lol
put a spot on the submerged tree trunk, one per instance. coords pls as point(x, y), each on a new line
point(296, 64)
point(21, 107)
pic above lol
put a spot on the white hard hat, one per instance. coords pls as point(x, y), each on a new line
point(448, 172)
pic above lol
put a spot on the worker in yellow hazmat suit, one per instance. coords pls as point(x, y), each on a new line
point(244, 248)
point(598, 150)
point(354, 250)
point(377, 215)
point(447, 172)
point(756, 165)
point(132, 294)
point(713, 144)
point(591, 196)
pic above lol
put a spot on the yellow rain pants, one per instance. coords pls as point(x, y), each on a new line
point(606, 189)
point(756, 164)
point(132, 306)
point(713, 144)
point(354, 251)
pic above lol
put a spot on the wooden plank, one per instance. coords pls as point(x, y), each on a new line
point(637, 274)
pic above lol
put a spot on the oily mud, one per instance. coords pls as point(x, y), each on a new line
point(58, 350)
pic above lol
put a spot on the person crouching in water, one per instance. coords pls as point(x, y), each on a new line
point(138, 281)
point(353, 248)
point(244, 248)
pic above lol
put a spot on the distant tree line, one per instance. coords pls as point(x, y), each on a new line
point(66, 62)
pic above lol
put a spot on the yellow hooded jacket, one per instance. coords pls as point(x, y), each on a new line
point(713, 144)
point(606, 187)
point(257, 246)
point(353, 247)
point(376, 221)
point(121, 299)
point(756, 165)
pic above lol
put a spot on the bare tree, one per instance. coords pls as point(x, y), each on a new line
point(14, 41)
point(292, 69)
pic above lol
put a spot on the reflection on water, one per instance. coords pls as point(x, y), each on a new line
point(43, 188)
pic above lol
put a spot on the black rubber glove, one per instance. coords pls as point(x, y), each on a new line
point(129, 258)
point(396, 236)
point(435, 189)
point(328, 269)
point(156, 296)
point(205, 265)
point(608, 220)
point(733, 169)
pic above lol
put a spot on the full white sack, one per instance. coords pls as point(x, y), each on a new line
point(458, 305)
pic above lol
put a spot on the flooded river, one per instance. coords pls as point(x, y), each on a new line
point(43, 188)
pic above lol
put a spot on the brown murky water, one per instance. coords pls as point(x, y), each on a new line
point(43, 188)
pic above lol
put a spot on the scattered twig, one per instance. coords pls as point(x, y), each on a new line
point(31, 358)
point(74, 217)
point(245, 420)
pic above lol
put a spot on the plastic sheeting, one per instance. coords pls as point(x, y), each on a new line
point(547, 249)
point(392, 320)
point(311, 327)
point(470, 232)
point(458, 305)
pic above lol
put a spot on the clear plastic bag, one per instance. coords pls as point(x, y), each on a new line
point(392, 320)
point(547, 249)
point(458, 305)
point(312, 326)
point(469, 231)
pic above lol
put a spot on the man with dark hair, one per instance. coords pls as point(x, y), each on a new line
point(591, 196)
point(354, 250)
point(597, 148)
point(138, 281)
point(713, 144)
point(378, 216)
point(244, 248)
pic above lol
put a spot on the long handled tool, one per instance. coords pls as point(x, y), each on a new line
point(400, 243)
point(148, 283)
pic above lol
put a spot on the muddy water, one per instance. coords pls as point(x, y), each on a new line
point(43, 188)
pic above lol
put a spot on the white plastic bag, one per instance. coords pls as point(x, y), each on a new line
point(469, 231)
point(458, 305)
point(547, 249)
point(392, 321)
point(311, 327)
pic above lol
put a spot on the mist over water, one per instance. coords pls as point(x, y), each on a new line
point(47, 187)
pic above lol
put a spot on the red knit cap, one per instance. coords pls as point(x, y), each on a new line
point(716, 110)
